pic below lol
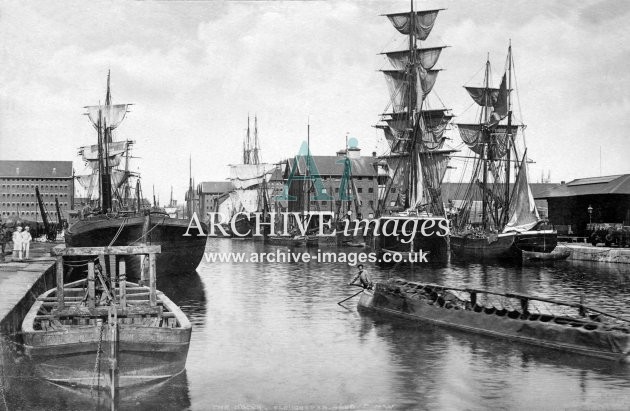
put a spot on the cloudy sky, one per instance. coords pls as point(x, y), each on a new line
point(195, 69)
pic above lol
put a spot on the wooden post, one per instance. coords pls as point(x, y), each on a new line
point(152, 295)
point(60, 299)
point(144, 269)
point(122, 276)
point(112, 275)
point(91, 295)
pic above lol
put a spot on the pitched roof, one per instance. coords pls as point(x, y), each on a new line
point(35, 168)
point(214, 187)
point(454, 191)
point(334, 166)
point(616, 184)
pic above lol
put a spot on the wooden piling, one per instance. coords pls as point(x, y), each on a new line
point(152, 280)
point(60, 300)
point(122, 276)
point(91, 293)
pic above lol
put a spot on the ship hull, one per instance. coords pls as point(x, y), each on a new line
point(431, 238)
point(499, 247)
point(180, 253)
point(543, 241)
point(580, 337)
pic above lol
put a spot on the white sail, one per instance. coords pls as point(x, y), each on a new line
point(244, 176)
point(523, 213)
point(110, 115)
point(115, 153)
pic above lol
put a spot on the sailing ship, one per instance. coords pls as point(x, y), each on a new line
point(572, 327)
point(415, 132)
point(250, 180)
point(113, 216)
point(510, 223)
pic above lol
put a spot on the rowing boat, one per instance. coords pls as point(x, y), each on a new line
point(534, 320)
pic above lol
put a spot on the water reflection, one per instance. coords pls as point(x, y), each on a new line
point(268, 335)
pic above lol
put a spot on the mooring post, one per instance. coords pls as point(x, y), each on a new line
point(152, 274)
point(122, 277)
point(91, 295)
point(113, 351)
point(60, 299)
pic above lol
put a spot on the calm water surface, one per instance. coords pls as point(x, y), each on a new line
point(272, 336)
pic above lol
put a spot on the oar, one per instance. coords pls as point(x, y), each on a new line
point(353, 295)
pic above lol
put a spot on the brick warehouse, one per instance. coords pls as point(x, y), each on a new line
point(18, 180)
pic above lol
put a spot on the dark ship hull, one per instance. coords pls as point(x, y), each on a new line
point(504, 246)
point(389, 245)
point(180, 254)
point(469, 310)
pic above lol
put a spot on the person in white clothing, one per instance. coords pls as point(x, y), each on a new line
point(17, 243)
point(26, 241)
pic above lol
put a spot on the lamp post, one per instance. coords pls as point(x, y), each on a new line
point(590, 214)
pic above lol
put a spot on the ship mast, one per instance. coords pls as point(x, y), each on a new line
point(509, 139)
point(484, 122)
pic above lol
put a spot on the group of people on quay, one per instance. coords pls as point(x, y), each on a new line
point(21, 239)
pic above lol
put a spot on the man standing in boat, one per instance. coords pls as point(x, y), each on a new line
point(364, 277)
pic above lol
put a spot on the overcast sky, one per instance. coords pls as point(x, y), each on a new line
point(195, 69)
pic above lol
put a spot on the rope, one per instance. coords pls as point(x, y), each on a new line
point(97, 363)
point(151, 229)
point(119, 231)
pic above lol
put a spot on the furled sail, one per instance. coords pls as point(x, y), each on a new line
point(91, 182)
point(422, 21)
point(483, 96)
point(110, 115)
point(399, 87)
point(476, 135)
point(427, 57)
point(115, 151)
point(523, 213)
point(434, 166)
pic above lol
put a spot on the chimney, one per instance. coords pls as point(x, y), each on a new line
point(562, 182)
point(373, 153)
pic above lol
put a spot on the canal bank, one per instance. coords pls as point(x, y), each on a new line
point(21, 282)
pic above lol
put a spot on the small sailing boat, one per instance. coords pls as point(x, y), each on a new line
point(510, 223)
point(115, 217)
point(417, 159)
point(103, 331)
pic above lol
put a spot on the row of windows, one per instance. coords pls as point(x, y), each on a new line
point(9, 213)
point(32, 204)
point(328, 203)
point(33, 194)
point(35, 180)
point(41, 186)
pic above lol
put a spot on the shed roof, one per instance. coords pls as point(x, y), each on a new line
point(615, 184)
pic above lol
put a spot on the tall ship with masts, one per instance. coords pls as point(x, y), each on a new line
point(116, 213)
point(415, 131)
point(510, 223)
point(249, 179)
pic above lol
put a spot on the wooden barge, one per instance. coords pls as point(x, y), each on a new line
point(103, 331)
point(539, 321)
